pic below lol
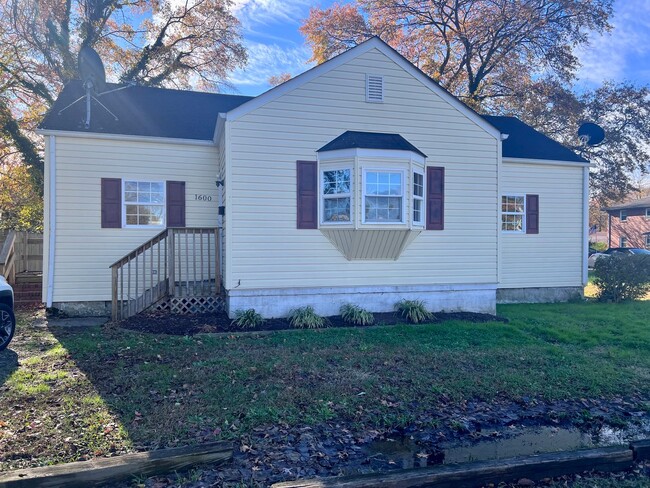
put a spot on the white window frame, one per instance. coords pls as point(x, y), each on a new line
point(322, 197)
point(647, 213)
point(125, 203)
point(523, 214)
point(414, 197)
point(621, 243)
point(620, 215)
point(647, 241)
point(365, 171)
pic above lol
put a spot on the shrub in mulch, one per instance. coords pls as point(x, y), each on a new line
point(173, 324)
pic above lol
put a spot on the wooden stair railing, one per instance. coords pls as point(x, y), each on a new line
point(8, 258)
point(176, 263)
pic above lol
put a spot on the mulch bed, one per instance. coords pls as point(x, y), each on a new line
point(176, 324)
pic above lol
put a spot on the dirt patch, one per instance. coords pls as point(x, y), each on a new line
point(176, 324)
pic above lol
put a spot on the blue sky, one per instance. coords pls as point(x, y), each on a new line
point(275, 46)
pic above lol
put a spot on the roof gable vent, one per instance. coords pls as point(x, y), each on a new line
point(374, 88)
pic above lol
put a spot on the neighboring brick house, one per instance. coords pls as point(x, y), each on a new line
point(629, 224)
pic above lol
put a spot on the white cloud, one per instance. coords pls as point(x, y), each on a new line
point(265, 12)
point(609, 56)
point(266, 60)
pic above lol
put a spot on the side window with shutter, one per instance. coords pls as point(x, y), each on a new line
point(435, 215)
point(307, 195)
point(111, 197)
point(532, 214)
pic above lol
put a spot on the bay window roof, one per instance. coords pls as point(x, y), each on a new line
point(370, 140)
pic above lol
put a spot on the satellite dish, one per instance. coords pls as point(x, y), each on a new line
point(591, 134)
point(91, 69)
point(93, 78)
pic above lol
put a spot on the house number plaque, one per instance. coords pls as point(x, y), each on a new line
point(202, 198)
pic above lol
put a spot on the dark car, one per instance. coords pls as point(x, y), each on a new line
point(625, 250)
point(7, 318)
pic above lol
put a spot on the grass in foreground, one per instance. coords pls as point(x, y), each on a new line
point(80, 393)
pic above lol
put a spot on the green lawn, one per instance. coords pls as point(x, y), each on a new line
point(81, 393)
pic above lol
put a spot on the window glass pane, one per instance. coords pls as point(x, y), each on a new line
point(383, 209)
point(131, 220)
point(157, 187)
point(156, 215)
point(144, 186)
point(130, 186)
point(383, 183)
point(144, 197)
point(157, 198)
point(336, 181)
point(336, 210)
point(130, 196)
point(417, 210)
point(418, 184)
point(519, 204)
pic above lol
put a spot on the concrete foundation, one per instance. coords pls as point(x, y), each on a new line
point(274, 303)
point(84, 309)
point(540, 295)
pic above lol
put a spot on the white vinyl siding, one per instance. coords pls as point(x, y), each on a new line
point(269, 252)
point(84, 251)
point(552, 258)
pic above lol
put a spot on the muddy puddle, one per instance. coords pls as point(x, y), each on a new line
point(405, 452)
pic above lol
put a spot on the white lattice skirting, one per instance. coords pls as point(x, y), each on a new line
point(191, 305)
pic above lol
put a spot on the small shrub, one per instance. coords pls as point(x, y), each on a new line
point(622, 277)
point(306, 318)
point(598, 246)
point(247, 319)
point(414, 311)
point(354, 314)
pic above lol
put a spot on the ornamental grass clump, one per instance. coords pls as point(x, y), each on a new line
point(355, 315)
point(247, 319)
point(414, 311)
point(622, 277)
point(306, 318)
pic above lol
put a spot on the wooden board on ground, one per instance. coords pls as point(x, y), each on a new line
point(480, 473)
point(102, 470)
point(641, 450)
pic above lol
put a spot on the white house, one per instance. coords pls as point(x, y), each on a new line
point(361, 180)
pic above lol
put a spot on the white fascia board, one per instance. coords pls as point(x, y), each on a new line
point(373, 43)
point(123, 137)
point(219, 127)
point(551, 162)
point(371, 154)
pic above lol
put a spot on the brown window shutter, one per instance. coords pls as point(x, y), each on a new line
point(435, 198)
point(111, 203)
point(307, 195)
point(175, 204)
point(532, 214)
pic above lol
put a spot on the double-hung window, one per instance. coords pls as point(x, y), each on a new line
point(418, 198)
point(513, 212)
point(383, 197)
point(623, 216)
point(144, 203)
point(337, 195)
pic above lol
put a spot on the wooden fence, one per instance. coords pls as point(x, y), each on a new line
point(20, 252)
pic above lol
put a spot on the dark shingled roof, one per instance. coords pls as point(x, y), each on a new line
point(526, 143)
point(638, 203)
point(143, 111)
point(370, 140)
